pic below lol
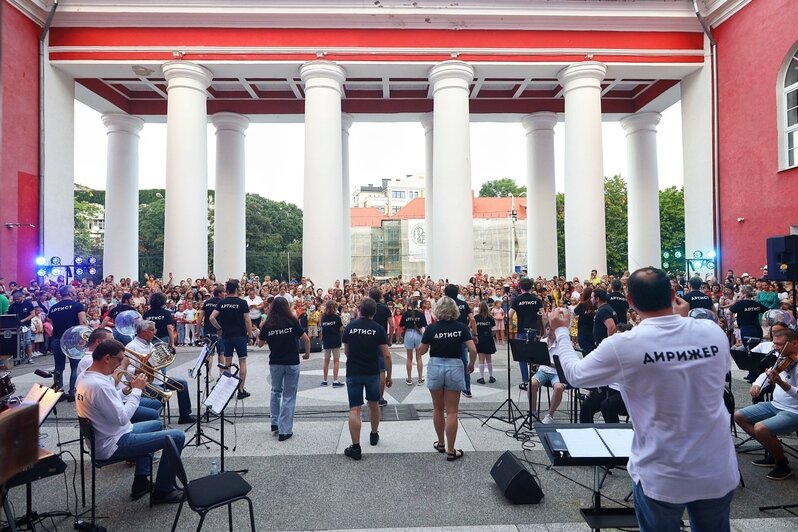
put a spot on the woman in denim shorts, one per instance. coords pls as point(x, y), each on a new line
point(445, 378)
point(413, 322)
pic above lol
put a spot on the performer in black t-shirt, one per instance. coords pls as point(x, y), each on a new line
point(24, 311)
point(383, 318)
point(466, 317)
point(413, 322)
point(606, 320)
point(231, 320)
point(63, 315)
point(208, 330)
point(281, 331)
point(617, 301)
point(747, 312)
point(331, 330)
point(444, 339)
point(529, 309)
point(162, 318)
point(365, 342)
point(696, 297)
point(486, 346)
point(123, 305)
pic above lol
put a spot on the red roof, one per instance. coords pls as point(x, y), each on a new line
point(365, 217)
point(482, 208)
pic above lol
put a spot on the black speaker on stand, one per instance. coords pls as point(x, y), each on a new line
point(515, 481)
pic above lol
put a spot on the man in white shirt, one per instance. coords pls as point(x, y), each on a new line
point(766, 421)
point(115, 437)
point(672, 373)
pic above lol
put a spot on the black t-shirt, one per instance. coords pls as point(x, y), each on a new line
point(330, 330)
point(231, 316)
point(465, 310)
point(207, 309)
point(485, 325)
point(529, 308)
point(162, 319)
point(382, 315)
point(698, 299)
point(64, 315)
point(283, 347)
point(748, 311)
point(603, 313)
point(114, 312)
point(364, 338)
point(413, 319)
point(585, 324)
point(22, 310)
point(445, 338)
point(619, 304)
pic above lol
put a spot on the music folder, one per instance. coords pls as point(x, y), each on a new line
point(222, 392)
point(530, 352)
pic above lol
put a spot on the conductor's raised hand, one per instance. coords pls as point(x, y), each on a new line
point(558, 318)
point(680, 306)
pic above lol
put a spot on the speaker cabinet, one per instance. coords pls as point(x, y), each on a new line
point(514, 481)
point(783, 258)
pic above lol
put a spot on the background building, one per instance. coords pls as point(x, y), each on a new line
point(392, 195)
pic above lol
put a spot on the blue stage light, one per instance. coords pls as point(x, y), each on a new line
point(41, 261)
point(41, 272)
point(55, 261)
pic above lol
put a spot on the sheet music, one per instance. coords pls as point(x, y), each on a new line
point(222, 392)
point(584, 443)
point(618, 441)
point(203, 354)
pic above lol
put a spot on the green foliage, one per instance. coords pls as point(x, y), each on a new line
point(85, 211)
point(561, 232)
point(499, 188)
point(273, 233)
point(617, 224)
point(671, 220)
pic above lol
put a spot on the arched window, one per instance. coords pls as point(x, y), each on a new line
point(789, 117)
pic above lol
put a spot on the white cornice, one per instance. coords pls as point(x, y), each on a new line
point(36, 10)
point(719, 11)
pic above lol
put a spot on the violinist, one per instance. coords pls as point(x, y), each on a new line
point(766, 421)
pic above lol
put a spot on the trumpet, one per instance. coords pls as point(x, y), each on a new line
point(143, 365)
point(150, 390)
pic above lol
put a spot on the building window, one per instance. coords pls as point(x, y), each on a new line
point(398, 194)
point(789, 116)
point(395, 209)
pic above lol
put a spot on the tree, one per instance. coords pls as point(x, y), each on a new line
point(85, 244)
point(151, 234)
point(499, 188)
point(671, 228)
point(617, 224)
point(560, 233)
point(273, 236)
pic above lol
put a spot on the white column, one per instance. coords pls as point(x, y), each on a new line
point(57, 215)
point(229, 222)
point(541, 195)
point(322, 249)
point(697, 161)
point(585, 229)
point(346, 225)
point(186, 217)
point(121, 242)
point(642, 190)
point(426, 123)
point(453, 230)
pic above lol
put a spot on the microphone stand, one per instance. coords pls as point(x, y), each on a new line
point(514, 413)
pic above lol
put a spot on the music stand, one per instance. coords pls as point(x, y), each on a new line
point(217, 401)
point(532, 353)
point(19, 446)
point(512, 407)
point(200, 438)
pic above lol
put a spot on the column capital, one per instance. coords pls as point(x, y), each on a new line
point(230, 122)
point(544, 120)
point(426, 123)
point(322, 74)
point(451, 71)
point(585, 74)
point(645, 121)
point(346, 122)
point(186, 74)
point(119, 122)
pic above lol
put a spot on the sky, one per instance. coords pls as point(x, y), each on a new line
point(274, 152)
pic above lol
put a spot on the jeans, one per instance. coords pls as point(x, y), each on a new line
point(60, 364)
point(146, 438)
point(148, 410)
point(181, 333)
point(706, 515)
point(285, 380)
point(464, 358)
point(183, 397)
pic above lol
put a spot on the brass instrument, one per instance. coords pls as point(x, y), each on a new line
point(150, 390)
point(149, 365)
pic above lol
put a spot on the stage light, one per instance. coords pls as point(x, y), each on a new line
point(78, 261)
point(78, 271)
point(41, 261)
point(41, 272)
point(55, 271)
point(92, 270)
point(697, 254)
point(666, 265)
point(711, 254)
point(678, 254)
point(696, 264)
point(55, 261)
point(92, 261)
point(710, 265)
point(666, 255)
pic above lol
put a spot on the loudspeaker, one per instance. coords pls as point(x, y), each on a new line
point(514, 481)
point(783, 258)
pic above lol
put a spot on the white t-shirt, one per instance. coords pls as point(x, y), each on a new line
point(98, 400)
point(190, 315)
point(254, 313)
point(672, 374)
point(783, 400)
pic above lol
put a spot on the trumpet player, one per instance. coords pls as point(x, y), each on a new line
point(766, 421)
point(116, 437)
point(142, 343)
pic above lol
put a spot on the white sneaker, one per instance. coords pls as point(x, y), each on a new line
point(547, 420)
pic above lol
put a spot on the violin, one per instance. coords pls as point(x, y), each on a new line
point(784, 362)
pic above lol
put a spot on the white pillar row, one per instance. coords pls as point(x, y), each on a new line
point(541, 196)
point(229, 222)
point(453, 199)
point(585, 228)
point(642, 189)
point(322, 246)
point(426, 123)
point(186, 216)
point(346, 226)
point(121, 248)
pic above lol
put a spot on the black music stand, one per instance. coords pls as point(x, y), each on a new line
point(514, 413)
point(217, 401)
point(532, 353)
point(200, 438)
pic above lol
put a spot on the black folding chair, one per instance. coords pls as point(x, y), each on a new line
point(209, 492)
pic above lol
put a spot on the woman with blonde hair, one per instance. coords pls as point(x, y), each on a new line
point(445, 377)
